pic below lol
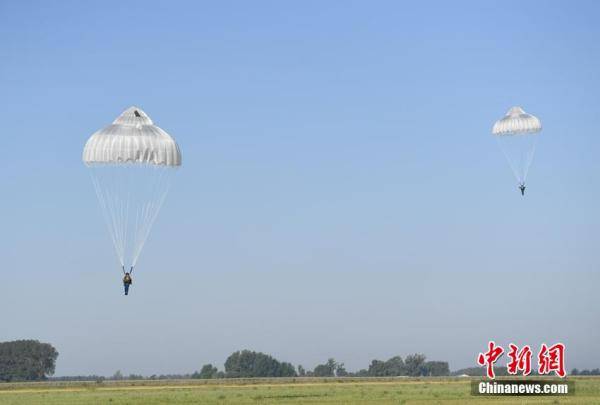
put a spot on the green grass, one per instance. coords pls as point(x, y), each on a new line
point(277, 391)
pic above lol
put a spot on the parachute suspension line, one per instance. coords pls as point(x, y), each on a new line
point(518, 151)
point(511, 164)
point(149, 212)
point(130, 197)
point(111, 217)
point(530, 156)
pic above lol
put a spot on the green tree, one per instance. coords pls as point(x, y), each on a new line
point(414, 364)
point(390, 368)
point(340, 370)
point(436, 368)
point(326, 370)
point(377, 368)
point(26, 360)
point(301, 371)
point(361, 373)
point(395, 367)
point(208, 371)
point(246, 363)
point(287, 370)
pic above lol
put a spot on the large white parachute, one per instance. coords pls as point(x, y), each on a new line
point(131, 163)
point(517, 135)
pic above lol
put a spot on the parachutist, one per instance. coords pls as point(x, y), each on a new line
point(517, 135)
point(132, 161)
point(127, 282)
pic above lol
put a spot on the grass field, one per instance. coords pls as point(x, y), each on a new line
point(277, 391)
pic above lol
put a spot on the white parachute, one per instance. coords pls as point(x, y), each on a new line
point(131, 163)
point(517, 135)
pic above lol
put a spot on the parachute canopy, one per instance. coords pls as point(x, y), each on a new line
point(517, 135)
point(131, 163)
point(132, 138)
point(517, 122)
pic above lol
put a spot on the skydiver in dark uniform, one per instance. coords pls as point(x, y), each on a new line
point(127, 281)
point(522, 188)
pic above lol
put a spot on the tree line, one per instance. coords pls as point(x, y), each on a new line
point(249, 364)
point(31, 360)
point(595, 371)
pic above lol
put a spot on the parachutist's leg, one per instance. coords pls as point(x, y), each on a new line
point(126, 289)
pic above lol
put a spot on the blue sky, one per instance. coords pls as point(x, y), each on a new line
point(341, 194)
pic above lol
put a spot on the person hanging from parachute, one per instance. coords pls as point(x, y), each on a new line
point(131, 163)
point(127, 281)
point(517, 134)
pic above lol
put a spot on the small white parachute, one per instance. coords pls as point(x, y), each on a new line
point(517, 135)
point(131, 163)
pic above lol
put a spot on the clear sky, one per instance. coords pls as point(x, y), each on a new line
point(341, 194)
